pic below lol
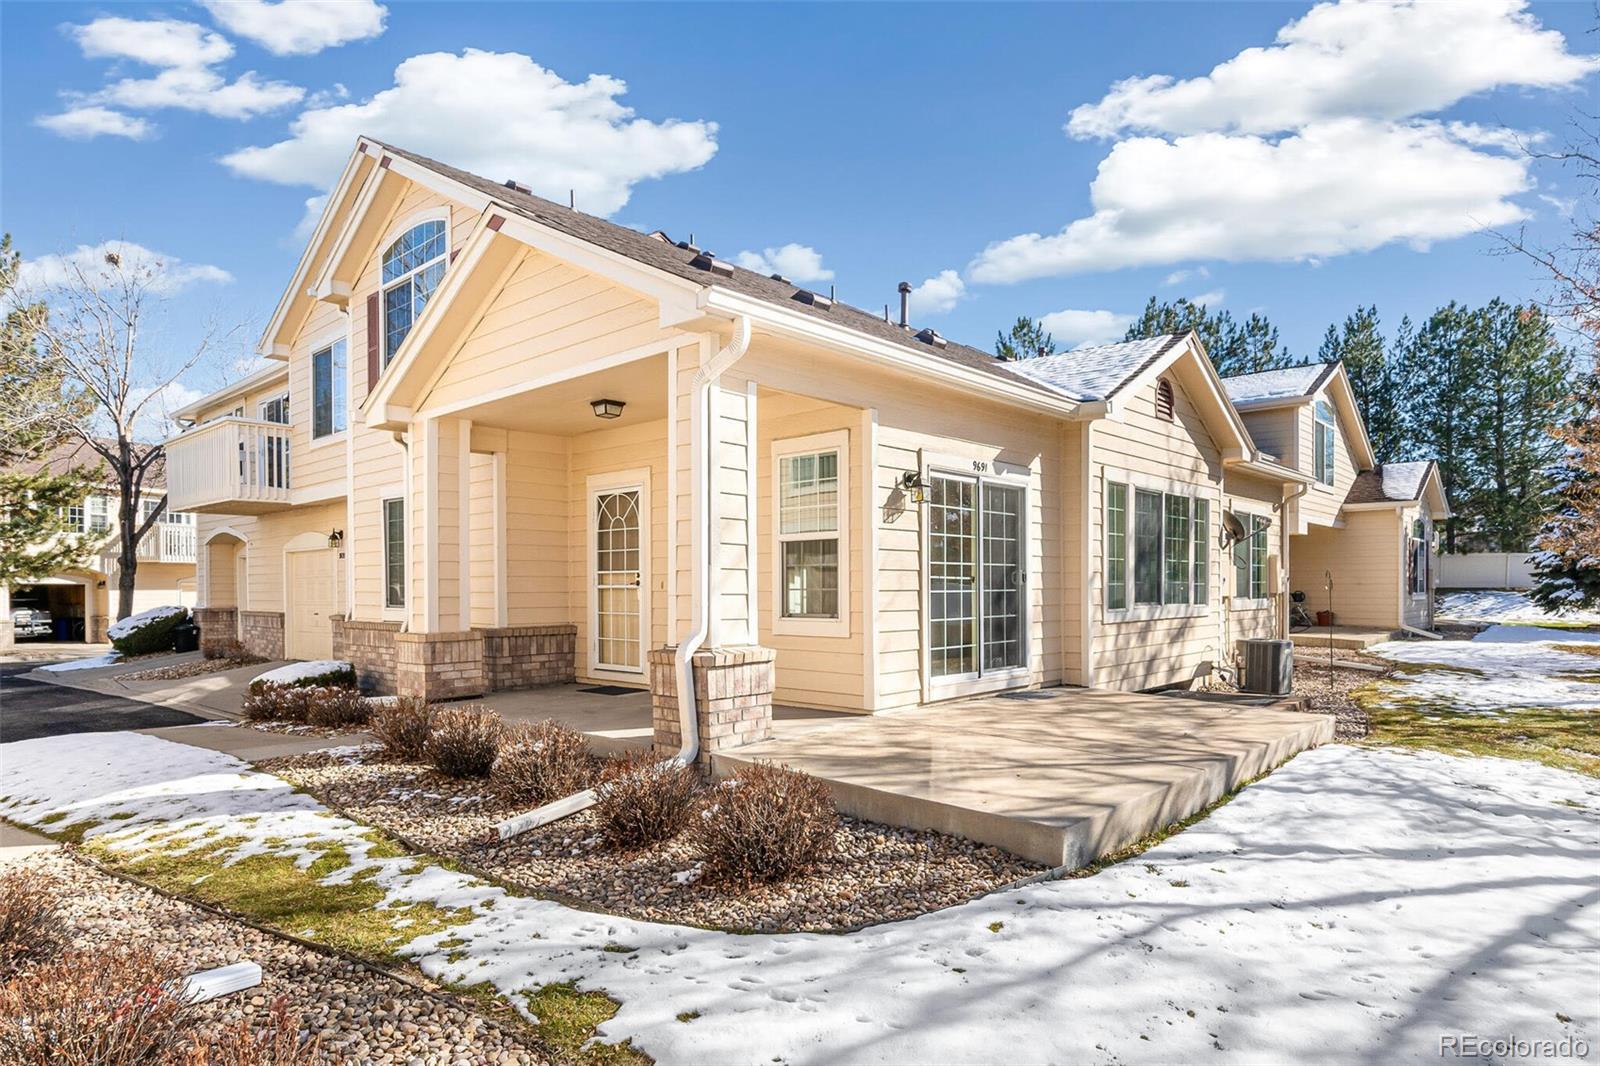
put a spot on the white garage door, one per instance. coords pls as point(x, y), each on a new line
point(313, 599)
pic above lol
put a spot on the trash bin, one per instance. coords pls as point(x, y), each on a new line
point(186, 637)
point(1268, 667)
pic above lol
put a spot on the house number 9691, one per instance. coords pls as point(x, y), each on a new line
point(980, 466)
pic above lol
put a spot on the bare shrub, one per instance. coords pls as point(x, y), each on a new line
point(336, 707)
point(320, 705)
point(765, 823)
point(402, 727)
point(268, 702)
point(643, 799)
point(542, 762)
point(279, 1044)
point(95, 1008)
point(227, 649)
point(464, 740)
point(28, 906)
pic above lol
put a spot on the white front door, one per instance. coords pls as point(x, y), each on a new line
point(619, 557)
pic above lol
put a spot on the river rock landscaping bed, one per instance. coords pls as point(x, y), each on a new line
point(357, 1015)
point(877, 873)
point(197, 668)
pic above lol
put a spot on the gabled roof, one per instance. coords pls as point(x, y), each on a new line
point(75, 453)
point(1097, 373)
point(1397, 483)
point(701, 267)
point(1272, 386)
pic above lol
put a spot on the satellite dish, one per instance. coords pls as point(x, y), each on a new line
point(1233, 527)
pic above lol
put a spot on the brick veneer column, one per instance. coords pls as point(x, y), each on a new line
point(439, 666)
point(261, 633)
point(370, 648)
point(516, 657)
point(219, 629)
point(733, 695)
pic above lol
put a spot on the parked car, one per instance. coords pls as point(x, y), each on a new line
point(31, 622)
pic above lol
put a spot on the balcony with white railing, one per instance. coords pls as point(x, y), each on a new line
point(229, 466)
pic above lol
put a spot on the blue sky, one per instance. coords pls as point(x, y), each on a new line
point(1356, 155)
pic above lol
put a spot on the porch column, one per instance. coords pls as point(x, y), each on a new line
point(733, 515)
point(440, 657)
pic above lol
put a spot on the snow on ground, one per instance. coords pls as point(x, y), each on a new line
point(1520, 667)
point(134, 621)
point(108, 659)
point(1354, 906)
point(293, 672)
point(1501, 605)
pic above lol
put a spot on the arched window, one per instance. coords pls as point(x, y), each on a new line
point(1164, 399)
point(412, 267)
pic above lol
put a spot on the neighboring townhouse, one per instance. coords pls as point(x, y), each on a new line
point(80, 601)
point(505, 443)
point(1368, 528)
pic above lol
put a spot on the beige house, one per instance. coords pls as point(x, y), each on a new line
point(505, 443)
point(78, 603)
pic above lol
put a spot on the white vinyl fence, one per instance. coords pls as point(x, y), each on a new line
point(1485, 570)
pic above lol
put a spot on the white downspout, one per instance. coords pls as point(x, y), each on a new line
point(404, 441)
point(702, 425)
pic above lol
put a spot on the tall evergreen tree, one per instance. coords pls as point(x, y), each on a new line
point(1234, 348)
point(1437, 373)
point(1025, 340)
point(1566, 560)
point(1359, 343)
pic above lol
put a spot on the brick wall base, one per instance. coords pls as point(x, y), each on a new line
point(733, 693)
point(219, 629)
point(98, 633)
point(370, 648)
point(8, 635)
point(261, 633)
point(439, 666)
point(516, 657)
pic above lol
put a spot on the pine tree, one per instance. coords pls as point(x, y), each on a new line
point(1437, 373)
point(1566, 559)
point(1233, 348)
point(1026, 340)
point(1359, 343)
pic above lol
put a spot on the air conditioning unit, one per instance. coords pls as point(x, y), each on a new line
point(1268, 667)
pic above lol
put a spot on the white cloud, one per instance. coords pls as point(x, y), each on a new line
point(299, 27)
point(1344, 186)
point(1078, 329)
point(1210, 298)
point(156, 42)
point(797, 262)
point(1350, 59)
point(169, 274)
point(937, 294)
point(85, 123)
point(498, 114)
point(201, 89)
point(1178, 277)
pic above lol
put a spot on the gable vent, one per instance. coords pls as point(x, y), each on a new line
point(1164, 401)
point(517, 186)
point(931, 336)
point(709, 261)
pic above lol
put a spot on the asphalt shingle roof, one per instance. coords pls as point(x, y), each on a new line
point(1390, 483)
point(1092, 374)
point(1285, 384)
point(664, 256)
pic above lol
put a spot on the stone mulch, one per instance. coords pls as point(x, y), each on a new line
point(192, 669)
point(1330, 690)
point(877, 873)
point(360, 1016)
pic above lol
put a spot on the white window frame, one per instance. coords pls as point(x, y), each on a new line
point(597, 485)
point(1240, 602)
point(384, 500)
point(432, 214)
point(832, 441)
point(1141, 612)
point(1331, 425)
point(1413, 542)
point(282, 397)
point(1010, 475)
point(327, 344)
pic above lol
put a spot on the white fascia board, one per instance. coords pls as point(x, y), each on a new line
point(1240, 448)
point(681, 293)
point(297, 283)
point(850, 342)
point(1273, 403)
point(1270, 470)
point(264, 376)
point(1377, 505)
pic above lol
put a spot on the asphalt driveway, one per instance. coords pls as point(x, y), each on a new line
point(32, 709)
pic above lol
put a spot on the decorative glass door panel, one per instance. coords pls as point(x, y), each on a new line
point(618, 625)
point(1003, 575)
point(976, 576)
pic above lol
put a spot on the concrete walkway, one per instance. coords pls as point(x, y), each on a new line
point(1061, 776)
point(218, 695)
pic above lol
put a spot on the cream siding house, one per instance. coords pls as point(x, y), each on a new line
point(525, 445)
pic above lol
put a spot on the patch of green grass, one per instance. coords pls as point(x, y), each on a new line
point(1144, 844)
point(1178, 884)
point(688, 1015)
point(995, 927)
point(567, 1019)
point(619, 949)
point(1565, 739)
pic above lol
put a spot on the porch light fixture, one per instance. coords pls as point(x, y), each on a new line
point(607, 408)
point(335, 538)
point(911, 481)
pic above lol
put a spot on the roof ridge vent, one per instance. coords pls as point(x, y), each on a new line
point(517, 186)
point(779, 277)
point(929, 335)
point(709, 261)
point(815, 299)
point(689, 246)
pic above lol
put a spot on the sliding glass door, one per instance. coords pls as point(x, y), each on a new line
point(977, 576)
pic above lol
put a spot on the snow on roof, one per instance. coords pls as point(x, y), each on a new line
point(1390, 483)
point(1095, 373)
point(1289, 383)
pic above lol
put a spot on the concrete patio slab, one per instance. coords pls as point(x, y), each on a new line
point(1060, 776)
point(1347, 638)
